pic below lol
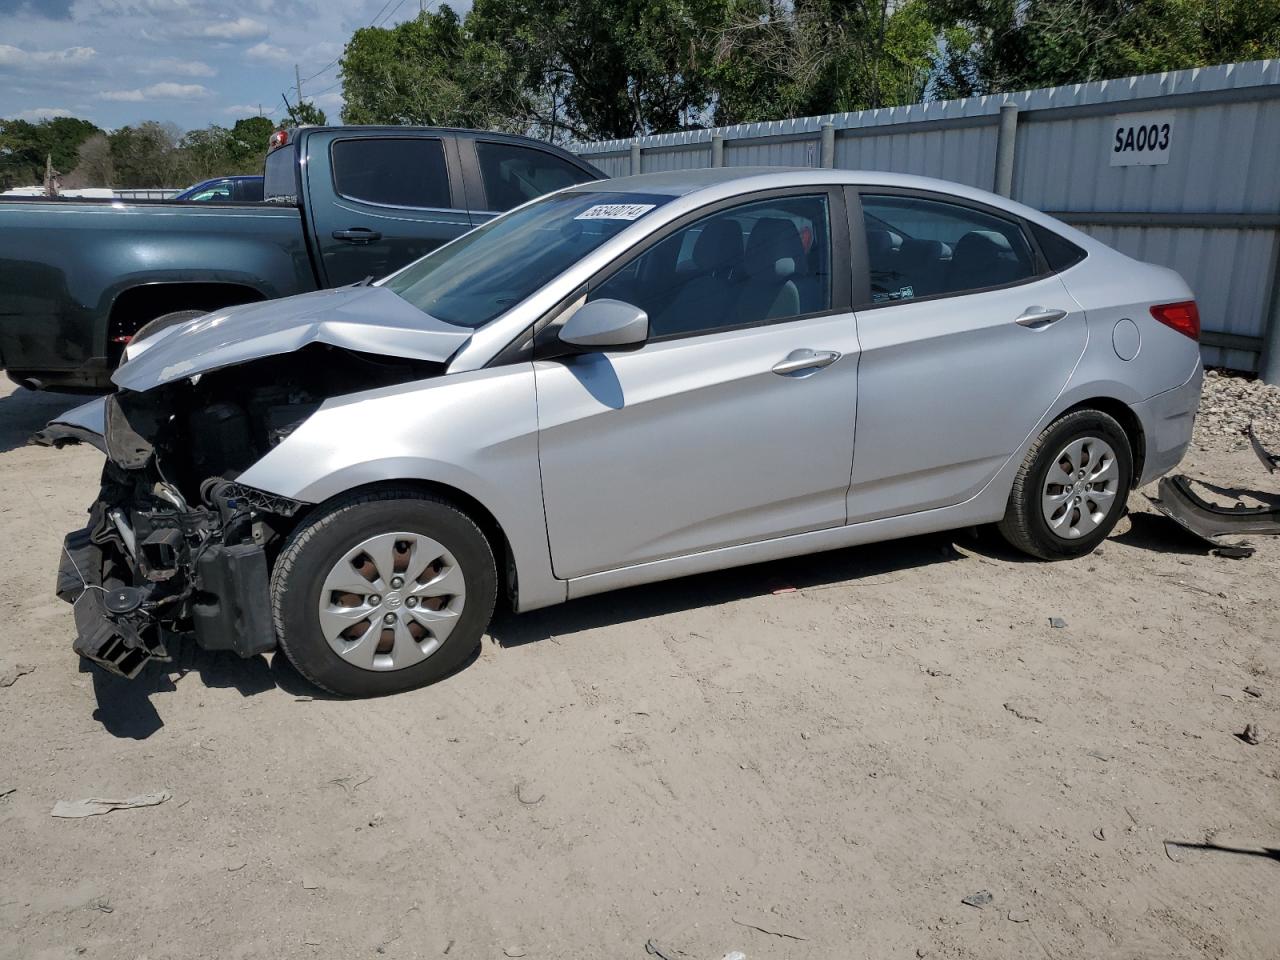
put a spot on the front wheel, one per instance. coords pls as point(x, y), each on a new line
point(1071, 488)
point(383, 592)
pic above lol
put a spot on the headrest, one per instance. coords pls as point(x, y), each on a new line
point(925, 250)
point(773, 247)
point(718, 245)
point(981, 246)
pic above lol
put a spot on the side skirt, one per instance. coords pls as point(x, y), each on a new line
point(981, 509)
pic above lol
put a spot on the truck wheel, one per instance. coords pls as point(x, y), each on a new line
point(163, 322)
point(1071, 488)
point(382, 592)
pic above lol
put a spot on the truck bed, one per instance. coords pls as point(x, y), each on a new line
point(64, 262)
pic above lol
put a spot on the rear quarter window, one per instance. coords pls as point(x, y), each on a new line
point(280, 184)
point(1059, 252)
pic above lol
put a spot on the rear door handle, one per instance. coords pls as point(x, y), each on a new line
point(357, 235)
point(1036, 317)
point(805, 359)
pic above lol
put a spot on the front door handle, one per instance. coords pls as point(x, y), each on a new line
point(798, 360)
point(357, 235)
point(1037, 317)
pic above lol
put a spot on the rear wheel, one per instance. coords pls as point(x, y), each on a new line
point(1071, 488)
point(383, 592)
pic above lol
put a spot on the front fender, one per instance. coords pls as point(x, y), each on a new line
point(475, 432)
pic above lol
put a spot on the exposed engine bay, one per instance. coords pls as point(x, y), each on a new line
point(174, 547)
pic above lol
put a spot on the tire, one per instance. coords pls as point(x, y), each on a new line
point(163, 322)
point(1053, 513)
point(368, 659)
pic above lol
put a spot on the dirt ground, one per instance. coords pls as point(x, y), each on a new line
point(715, 764)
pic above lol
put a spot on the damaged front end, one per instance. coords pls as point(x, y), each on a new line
point(175, 548)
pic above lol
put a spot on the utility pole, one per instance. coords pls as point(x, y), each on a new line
point(297, 75)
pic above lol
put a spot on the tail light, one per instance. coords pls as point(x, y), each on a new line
point(278, 139)
point(1183, 317)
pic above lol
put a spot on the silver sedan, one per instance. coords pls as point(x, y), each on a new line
point(620, 383)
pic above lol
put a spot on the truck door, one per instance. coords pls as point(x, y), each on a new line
point(381, 199)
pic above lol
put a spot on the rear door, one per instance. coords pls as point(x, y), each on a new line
point(500, 175)
point(967, 340)
point(381, 199)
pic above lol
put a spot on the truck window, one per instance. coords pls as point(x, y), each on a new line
point(280, 184)
point(515, 174)
point(392, 171)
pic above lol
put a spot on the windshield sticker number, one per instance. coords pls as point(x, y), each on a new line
point(615, 211)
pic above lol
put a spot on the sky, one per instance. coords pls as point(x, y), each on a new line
point(191, 62)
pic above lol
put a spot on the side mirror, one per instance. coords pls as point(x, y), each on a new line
point(606, 325)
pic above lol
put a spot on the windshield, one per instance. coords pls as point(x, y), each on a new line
point(489, 270)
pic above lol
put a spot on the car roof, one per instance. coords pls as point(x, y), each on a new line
point(709, 184)
point(678, 183)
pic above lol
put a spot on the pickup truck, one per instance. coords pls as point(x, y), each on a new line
point(79, 278)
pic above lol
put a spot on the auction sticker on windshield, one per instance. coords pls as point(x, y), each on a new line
point(615, 211)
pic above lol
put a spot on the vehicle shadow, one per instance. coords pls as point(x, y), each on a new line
point(126, 708)
point(708, 589)
point(1159, 534)
point(24, 411)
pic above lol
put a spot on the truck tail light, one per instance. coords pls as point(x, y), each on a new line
point(1183, 316)
point(278, 139)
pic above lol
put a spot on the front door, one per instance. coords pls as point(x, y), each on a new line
point(734, 423)
point(381, 200)
point(965, 345)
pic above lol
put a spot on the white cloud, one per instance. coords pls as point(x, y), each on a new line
point(267, 53)
point(329, 102)
point(17, 57)
point(44, 113)
point(246, 109)
point(242, 28)
point(157, 91)
point(177, 68)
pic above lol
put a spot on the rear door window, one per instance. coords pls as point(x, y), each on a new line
point(392, 171)
point(513, 175)
point(918, 247)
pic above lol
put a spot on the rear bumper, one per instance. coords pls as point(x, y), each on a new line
point(1168, 420)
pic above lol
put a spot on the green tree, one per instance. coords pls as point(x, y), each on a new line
point(25, 145)
point(607, 68)
point(822, 56)
point(991, 46)
point(428, 71)
point(304, 113)
point(248, 143)
point(146, 155)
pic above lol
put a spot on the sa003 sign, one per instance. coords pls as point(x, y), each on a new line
point(1142, 139)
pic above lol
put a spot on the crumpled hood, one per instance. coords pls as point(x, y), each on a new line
point(366, 319)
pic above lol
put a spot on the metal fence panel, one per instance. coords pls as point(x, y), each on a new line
point(1211, 212)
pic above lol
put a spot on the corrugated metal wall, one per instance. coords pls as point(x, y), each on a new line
point(1212, 212)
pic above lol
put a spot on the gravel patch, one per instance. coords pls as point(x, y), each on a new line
point(1230, 402)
